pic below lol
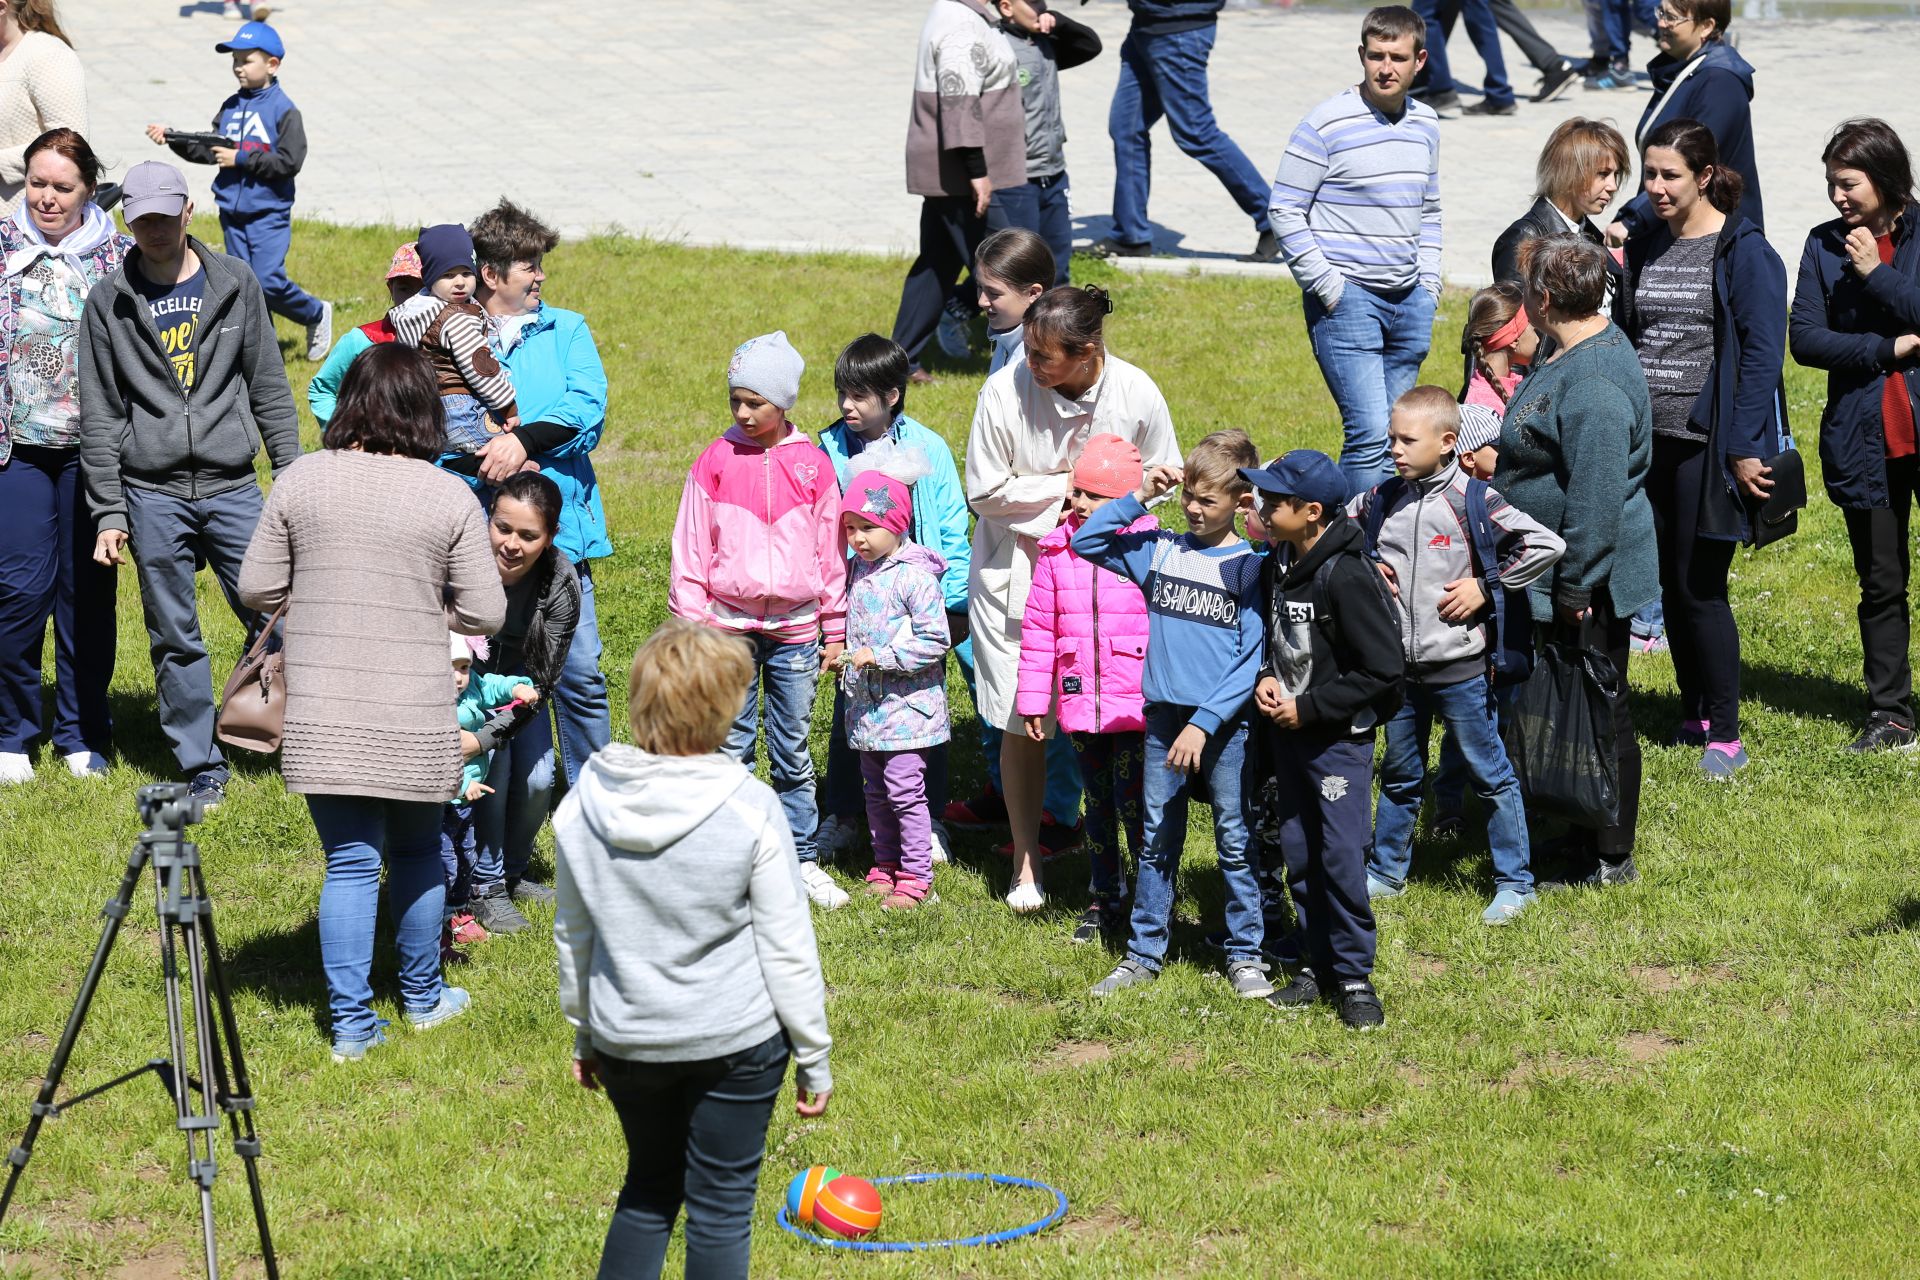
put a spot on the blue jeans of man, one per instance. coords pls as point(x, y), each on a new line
point(1166, 75)
point(1610, 25)
point(1324, 804)
point(580, 707)
point(1466, 708)
point(261, 241)
point(171, 537)
point(47, 570)
point(1369, 348)
point(1062, 798)
point(1477, 16)
point(789, 675)
point(359, 834)
point(506, 822)
point(1042, 206)
point(1224, 767)
point(696, 1133)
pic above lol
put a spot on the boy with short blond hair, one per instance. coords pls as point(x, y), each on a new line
point(1204, 646)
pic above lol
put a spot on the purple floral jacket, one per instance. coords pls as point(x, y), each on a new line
point(96, 265)
point(895, 607)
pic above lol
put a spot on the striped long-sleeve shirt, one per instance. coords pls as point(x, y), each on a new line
point(454, 336)
point(1357, 198)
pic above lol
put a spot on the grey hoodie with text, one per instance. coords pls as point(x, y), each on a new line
point(680, 918)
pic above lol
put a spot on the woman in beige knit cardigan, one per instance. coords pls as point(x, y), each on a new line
point(375, 552)
point(41, 87)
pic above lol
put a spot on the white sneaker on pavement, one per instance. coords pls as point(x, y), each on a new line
point(824, 893)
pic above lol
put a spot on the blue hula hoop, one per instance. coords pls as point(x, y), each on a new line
point(1033, 1228)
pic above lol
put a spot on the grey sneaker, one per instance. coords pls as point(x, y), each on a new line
point(1128, 973)
point(320, 334)
point(497, 914)
point(530, 891)
point(833, 835)
point(1249, 979)
point(209, 787)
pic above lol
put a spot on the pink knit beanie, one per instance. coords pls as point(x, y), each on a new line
point(881, 499)
point(1108, 466)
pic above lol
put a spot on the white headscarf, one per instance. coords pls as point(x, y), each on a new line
point(95, 229)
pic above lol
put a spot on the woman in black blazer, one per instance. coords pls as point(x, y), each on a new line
point(1579, 173)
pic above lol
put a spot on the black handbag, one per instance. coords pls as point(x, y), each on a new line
point(1779, 515)
point(1559, 735)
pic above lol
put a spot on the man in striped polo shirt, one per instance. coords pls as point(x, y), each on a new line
point(1357, 207)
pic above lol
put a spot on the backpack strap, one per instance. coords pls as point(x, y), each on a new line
point(1384, 495)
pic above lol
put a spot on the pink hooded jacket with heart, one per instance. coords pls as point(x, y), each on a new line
point(1083, 640)
point(757, 547)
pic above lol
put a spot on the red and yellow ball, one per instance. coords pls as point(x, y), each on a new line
point(847, 1207)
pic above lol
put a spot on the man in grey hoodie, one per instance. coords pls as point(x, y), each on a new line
point(180, 383)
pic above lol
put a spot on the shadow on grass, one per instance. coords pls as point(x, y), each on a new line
point(1902, 917)
point(1800, 693)
point(283, 967)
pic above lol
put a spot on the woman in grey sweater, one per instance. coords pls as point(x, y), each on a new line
point(1575, 449)
point(375, 552)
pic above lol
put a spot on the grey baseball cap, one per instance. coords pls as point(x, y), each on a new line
point(153, 186)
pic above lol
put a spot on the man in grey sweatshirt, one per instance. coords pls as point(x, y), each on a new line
point(180, 384)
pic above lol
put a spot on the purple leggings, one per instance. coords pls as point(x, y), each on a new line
point(897, 814)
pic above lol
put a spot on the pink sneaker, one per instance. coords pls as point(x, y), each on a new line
point(880, 881)
point(464, 928)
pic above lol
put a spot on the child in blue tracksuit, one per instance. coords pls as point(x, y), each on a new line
point(1205, 635)
point(474, 697)
point(254, 188)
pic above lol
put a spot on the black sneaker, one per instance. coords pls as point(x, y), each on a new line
point(1488, 107)
point(1267, 250)
point(1108, 247)
point(530, 891)
point(1092, 924)
point(1445, 105)
point(496, 913)
point(209, 787)
point(1298, 994)
point(1360, 1006)
point(1103, 920)
point(1603, 875)
point(1447, 825)
point(1883, 733)
point(1556, 82)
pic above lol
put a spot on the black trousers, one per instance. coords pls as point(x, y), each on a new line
point(1880, 560)
point(1518, 28)
point(949, 235)
point(1701, 632)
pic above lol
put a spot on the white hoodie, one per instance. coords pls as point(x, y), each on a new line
point(682, 924)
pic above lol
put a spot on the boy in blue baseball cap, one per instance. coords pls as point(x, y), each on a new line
point(254, 188)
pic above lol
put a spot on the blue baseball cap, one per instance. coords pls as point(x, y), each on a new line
point(254, 35)
point(1306, 474)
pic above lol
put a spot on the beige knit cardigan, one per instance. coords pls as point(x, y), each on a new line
point(42, 87)
point(366, 547)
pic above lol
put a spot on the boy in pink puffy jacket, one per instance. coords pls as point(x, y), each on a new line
point(757, 551)
point(1084, 640)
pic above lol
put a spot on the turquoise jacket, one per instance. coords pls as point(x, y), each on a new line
point(485, 692)
point(323, 389)
point(939, 503)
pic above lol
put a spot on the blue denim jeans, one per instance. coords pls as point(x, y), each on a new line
point(1477, 16)
point(1467, 710)
point(1616, 21)
point(789, 676)
point(1166, 75)
point(1062, 798)
point(359, 834)
point(466, 423)
point(580, 699)
point(1369, 348)
point(1450, 774)
point(1042, 206)
point(1224, 765)
point(457, 848)
point(506, 822)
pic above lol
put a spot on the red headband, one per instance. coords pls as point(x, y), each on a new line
point(1507, 334)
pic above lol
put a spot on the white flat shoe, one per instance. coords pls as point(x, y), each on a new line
point(1025, 899)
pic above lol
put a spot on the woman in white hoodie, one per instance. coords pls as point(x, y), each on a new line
point(687, 960)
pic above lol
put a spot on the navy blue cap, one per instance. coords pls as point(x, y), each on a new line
point(443, 248)
point(254, 35)
point(1306, 474)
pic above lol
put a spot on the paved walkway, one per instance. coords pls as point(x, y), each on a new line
point(782, 122)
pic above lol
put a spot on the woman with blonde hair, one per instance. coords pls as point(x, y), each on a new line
point(42, 87)
point(1579, 173)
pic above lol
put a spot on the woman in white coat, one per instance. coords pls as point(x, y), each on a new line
point(1030, 424)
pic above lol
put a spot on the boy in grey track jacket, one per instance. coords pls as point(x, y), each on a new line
point(1425, 544)
point(181, 383)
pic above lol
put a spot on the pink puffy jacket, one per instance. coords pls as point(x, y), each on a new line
point(1084, 638)
point(757, 546)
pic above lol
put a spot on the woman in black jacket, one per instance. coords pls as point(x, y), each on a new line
point(1856, 314)
point(1579, 173)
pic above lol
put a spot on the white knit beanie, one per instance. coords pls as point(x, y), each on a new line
point(1479, 427)
point(767, 366)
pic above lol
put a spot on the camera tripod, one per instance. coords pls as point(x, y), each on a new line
point(180, 897)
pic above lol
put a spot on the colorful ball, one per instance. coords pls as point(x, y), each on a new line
point(847, 1207)
point(804, 1189)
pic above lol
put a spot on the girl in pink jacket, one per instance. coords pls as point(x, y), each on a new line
point(757, 551)
point(1083, 640)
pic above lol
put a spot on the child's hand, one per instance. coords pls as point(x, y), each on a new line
point(1157, 480)
point(1184, 755)
point(586, 1072)
point(158, 132)
point(831, 655)
point(526, 693)
point(1045, 24)
point(225, 157)
point(510, 423)
point(1267, 696)
point(1287, 714)
point(1464, 599)
point(1393, 579)
point(475, 790)
point(810, 1105)
point(1036, 727)
point(862, 658)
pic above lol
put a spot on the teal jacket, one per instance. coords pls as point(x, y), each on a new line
point(484, 692)
point(323, 389)
point(939, 503)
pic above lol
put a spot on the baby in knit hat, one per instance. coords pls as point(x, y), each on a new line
point(450, 328)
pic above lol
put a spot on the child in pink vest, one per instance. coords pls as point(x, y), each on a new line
point(757, 551)
point(1084, 641)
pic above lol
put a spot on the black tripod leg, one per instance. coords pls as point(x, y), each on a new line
point(43, 1106)
point(200, 1168)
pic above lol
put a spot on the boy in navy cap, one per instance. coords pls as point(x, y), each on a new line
point(445, 323)
point(254, 188)
point(1332, 672)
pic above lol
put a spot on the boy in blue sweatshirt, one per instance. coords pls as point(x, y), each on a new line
point(254, 188)
point(1204, 642)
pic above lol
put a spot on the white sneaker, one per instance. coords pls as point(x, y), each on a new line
point(86, 764)
point(834, 834)
point(15, 766)
point(825, 894)
point(1026, 899)
point(942, 848)
point(320, 334)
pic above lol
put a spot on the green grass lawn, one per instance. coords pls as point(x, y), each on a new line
point(1710, 1073)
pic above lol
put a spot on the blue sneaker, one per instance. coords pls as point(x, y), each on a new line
point(1722, 760)
point(354, 1050)
point(1378, 888)
point(1506, 904)
point(453, 1003)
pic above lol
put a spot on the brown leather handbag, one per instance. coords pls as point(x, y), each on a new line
point(253, 706)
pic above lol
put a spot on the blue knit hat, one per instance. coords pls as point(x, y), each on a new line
point(767, 366)
point(444, 248)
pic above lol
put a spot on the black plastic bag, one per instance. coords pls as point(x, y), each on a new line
point(1560, 736)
